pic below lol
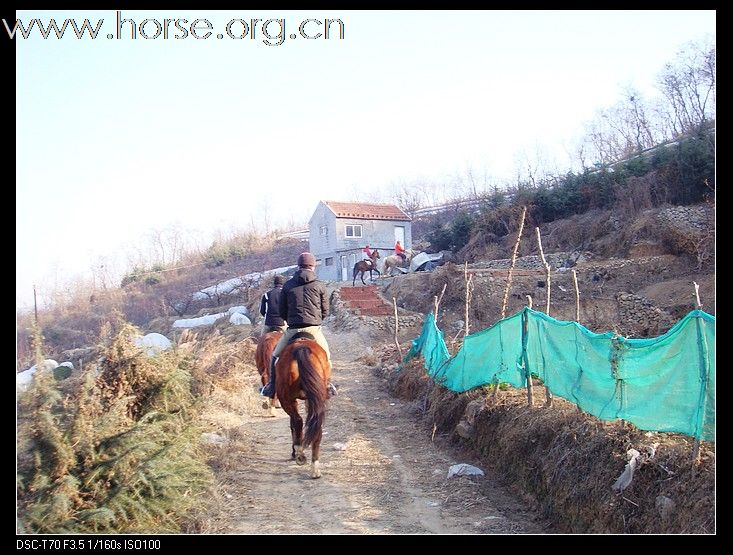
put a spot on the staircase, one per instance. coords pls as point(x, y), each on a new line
point(365, 301)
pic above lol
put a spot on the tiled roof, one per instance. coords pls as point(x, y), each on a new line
point(366, 211)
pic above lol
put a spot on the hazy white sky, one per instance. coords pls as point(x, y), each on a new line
point(115, 137)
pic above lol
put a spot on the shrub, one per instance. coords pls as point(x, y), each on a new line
point(119, 455)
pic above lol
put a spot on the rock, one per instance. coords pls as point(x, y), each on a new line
point(200, 321)
point(464, 470)
point(153, 343)
point(239, 319)
point(23, 379)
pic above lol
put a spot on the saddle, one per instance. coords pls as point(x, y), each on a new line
point(301, 335)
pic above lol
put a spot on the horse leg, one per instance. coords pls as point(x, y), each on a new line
point(296, 428)
point(316, 455)
point(362, 277)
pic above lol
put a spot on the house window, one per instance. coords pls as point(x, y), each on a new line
point(329, 261)
point(353, 231)
point(324, 230)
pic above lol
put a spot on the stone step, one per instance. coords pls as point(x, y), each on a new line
point(362, 298)
point(365, 300)
point(366, 303)
point(377, 311)
point(358, 292)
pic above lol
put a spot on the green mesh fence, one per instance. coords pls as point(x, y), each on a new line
point(665, 383)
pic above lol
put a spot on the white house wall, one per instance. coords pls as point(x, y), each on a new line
point(376, 233)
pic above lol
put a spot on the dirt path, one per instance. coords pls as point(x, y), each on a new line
point(389, 479)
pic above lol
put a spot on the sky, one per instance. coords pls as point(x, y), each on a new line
point(120, 138)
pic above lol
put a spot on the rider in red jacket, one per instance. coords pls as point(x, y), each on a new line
point(399, 251)
point(366, 250)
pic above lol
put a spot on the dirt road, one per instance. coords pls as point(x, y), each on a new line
point(386, 477)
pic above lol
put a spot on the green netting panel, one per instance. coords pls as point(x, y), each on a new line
point(430, 345)
point(669, 381)
point(573, 362)
point(489, 356)
point(665, 383)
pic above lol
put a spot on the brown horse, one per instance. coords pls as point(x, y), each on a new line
point(303, 372)
point(394, 261)
point(366, 266)
point(263, 356)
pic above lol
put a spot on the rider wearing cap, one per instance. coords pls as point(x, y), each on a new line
point(303, 304)
point(269, 307)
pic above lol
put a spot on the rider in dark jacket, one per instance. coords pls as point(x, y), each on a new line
point(304, 305)
point(269, 307)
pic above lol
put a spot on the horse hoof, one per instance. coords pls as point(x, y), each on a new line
point(301, 459)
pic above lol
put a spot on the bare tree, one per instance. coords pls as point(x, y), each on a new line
point(688, 84)
point(407, 197)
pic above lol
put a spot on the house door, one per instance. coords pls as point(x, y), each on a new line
point(344, 269)
point(399, 235)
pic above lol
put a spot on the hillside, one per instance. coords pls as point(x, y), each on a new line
point(635, 276)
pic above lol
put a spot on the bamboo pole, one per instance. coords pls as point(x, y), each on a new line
point(697, 295)
point(547, 269)
point(696, 446)
point(437, 301)
point(396, 328)
point(469, 289)
point(548, 275)
point(577, 297)
point(514, 261)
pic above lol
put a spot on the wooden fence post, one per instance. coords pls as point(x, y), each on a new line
point(469, 289)
point(577, 297)
point(437, 302)
point(547, 269)
point(514, 260)
point(548, 393)
point(396, 328)
point(696, 446)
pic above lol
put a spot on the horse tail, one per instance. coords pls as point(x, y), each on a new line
point(314, 387)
